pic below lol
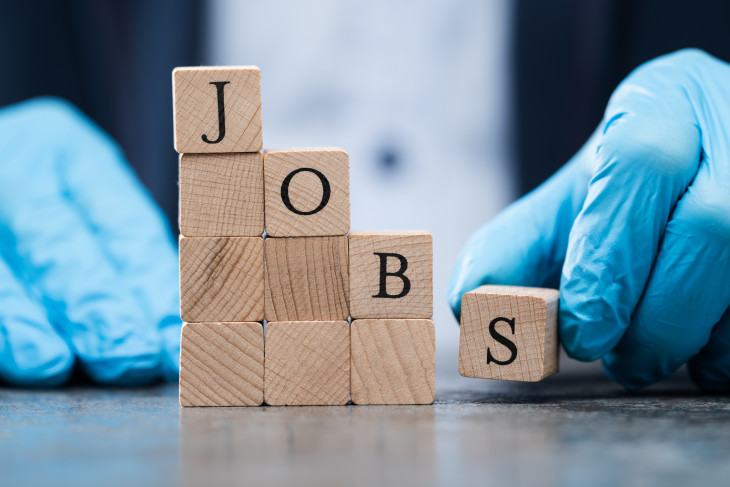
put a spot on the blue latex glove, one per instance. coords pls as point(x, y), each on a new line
point(88, 269)
point(635, 229)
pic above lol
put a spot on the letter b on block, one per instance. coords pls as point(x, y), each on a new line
point(307, 192)
point(391, 275)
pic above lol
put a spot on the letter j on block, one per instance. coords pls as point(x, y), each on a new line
point(307, 192)
point(509, 333)
point(217, 109)
point(391, 275)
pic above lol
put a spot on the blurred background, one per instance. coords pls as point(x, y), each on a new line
point(450, 109)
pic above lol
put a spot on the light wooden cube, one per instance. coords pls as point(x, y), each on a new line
point(306, 279)
point(222, 195)
point(221, 279)
point(509, 333)
point(222, 364)
point(391, 275)
point(393, 361)
point(307, 192)
point(307, 363)
point(217, 109)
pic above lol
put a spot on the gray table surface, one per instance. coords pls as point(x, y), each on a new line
point(571, 429)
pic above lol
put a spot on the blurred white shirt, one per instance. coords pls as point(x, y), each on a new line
point(415, 91)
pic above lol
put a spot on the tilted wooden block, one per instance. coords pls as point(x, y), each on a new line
point(222, 195)
point(222, 364)
point(509, 333)
point(307, 363)
point(393, 361)
point(221, 279)
point(306, 279)
point(391, 275)
point(217, 109)
point(307, 192)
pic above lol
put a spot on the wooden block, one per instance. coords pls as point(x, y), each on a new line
point(307, 363)
point(307, 192)
point(391, 275)
point(306, 279)
point(393, 361)
point(221, 279)
point(509, 333)
point(222, 195)
point(217, 109)
point(222, 364)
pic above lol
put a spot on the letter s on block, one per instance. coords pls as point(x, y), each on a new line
point(502, 340)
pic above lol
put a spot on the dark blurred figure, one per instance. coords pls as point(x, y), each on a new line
point(569, 55)
point(113, 60)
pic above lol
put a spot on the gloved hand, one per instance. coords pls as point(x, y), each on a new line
point(635, 229)
point(88, 269)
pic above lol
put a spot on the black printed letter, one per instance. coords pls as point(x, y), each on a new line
point(384, 275)
point(325, 191)
point(221, 113)
point(503, 340)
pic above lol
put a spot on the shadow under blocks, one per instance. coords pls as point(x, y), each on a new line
point(270, 275)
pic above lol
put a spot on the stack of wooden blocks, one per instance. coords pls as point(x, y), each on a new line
point(279, 305)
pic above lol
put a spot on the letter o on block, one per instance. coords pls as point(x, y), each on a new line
point(307, 192)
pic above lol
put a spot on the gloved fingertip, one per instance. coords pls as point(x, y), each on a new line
point(579, 351)
point(171, 351)
point(51, 368)
point(32, 354)
point(457, 283)
point(578, 341)
point(631, 376)
point(589, 327)
point(454, 298)
point(171, 366)
point(134, 370)
point(469, 273)
point(710, 377)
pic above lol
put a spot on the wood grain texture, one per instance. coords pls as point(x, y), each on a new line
point(307, 363)
point(365, 267)
point(305, 192)
point(393, 361)
point(195, 102)
point(306, 279)
point(222, 364)
point(221, 279)
point(535, 337)
point(222, 195)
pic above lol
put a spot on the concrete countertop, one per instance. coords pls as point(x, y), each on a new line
point(568, 430)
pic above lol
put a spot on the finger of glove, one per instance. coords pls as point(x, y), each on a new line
point(710, 369)
point(170, 336)
point(58, 251)
point(525, 244)
point(31, 352)
point(689, 289)
point(648, 154)
point(687, 294)
point(132, 230)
